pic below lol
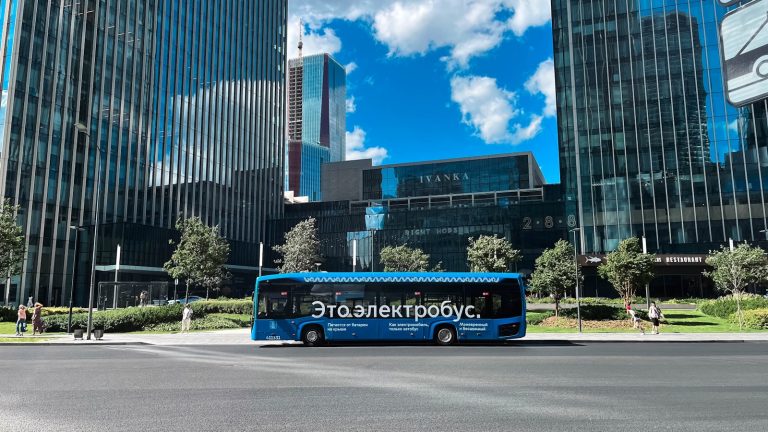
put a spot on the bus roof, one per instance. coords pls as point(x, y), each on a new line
point(360, 277)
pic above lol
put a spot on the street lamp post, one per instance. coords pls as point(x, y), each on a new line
point(75, 260)
point(647, 288)
point(765, 231)
point(84, 130)
point(576, 264)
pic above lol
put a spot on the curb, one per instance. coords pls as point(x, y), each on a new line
point(70, 343)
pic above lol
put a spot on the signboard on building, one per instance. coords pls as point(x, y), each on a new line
point(744, 41)
point(595, 260)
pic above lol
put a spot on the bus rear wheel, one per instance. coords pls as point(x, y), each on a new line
point(312, 336)
point(445, 335)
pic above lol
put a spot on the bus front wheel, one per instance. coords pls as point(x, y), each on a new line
point(312, 336)
point(445, 335)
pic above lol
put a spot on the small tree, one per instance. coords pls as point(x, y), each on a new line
point(491, 254)
point(200, 256)
point(12, 247)
point(734, 270)
point(301, 249)
point(627, 268)
point(405, 259)
point(555, 272)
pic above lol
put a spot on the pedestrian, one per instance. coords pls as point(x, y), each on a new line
point(143, 299)
point(186, 318)
point(37, 319)
point(30, 303)
point(21, 320)
point(654, 313)
point(636, 321)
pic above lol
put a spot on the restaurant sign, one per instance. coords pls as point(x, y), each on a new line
point(594, 260)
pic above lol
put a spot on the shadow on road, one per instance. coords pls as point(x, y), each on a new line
point(517, 343)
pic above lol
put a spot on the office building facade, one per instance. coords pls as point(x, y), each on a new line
point(649, 144)
point(183, 107)
point(436, 206)
point(316, 121)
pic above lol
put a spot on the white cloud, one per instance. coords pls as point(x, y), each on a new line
point(543, 82)
point(467, 28)
point(524, 133)
point(490, 110)
point(484, 106)
point(355, 142)
point(350, 67)
point(528, 13)
point(351, 106)
point(315, 40)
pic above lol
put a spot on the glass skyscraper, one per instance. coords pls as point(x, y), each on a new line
point(316, 121)
point(649, 145)
point(183, 103)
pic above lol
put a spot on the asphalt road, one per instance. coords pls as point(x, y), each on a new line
point(517, 387)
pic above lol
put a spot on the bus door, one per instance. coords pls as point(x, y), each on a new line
point(486, 301)
point(353, 319)
point(401, 328)
point(274, 310)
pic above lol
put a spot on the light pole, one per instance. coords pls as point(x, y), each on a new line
point(765, 231)
point(84, 130)
point(75, 257)
point(647, 289)
point(576, 264)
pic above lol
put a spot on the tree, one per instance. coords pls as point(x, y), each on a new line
point(555, 272)
point(301, 249)
point(627, 268)
point(405, 259)
point(491, 254)
point(200, 255)
point(12, 247)
point(734, 270)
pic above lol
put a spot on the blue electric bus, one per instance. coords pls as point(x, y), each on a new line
point(444, 307)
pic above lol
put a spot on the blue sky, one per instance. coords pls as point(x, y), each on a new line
point(437, 79)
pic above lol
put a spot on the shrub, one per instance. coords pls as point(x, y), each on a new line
point(239, 307)
point(535, 318)
point(210, 322)
point(724, 307)
point(7, 314)
point(61, 310)
point(601, 313)
point(121, 320)
point(756, 319)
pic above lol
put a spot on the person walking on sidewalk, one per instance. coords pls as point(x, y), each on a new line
point(37, 319)
point(21, 320)
point(186, 318)
point(636, 321)
point(654, 313)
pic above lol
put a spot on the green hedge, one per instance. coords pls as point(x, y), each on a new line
point(121, 320)
point(755, 319)
point(724, 307)
point(239, 307)
point(601, 313)
point(210, 322)
point(7, 314)
point(535, 318)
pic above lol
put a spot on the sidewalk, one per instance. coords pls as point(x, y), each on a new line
point(243, 337)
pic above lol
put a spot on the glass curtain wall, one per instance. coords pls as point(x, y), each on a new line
point(183, 104)
point(649, 144)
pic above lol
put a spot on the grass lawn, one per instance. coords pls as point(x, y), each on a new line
point(23, 339)
point(678, 321)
